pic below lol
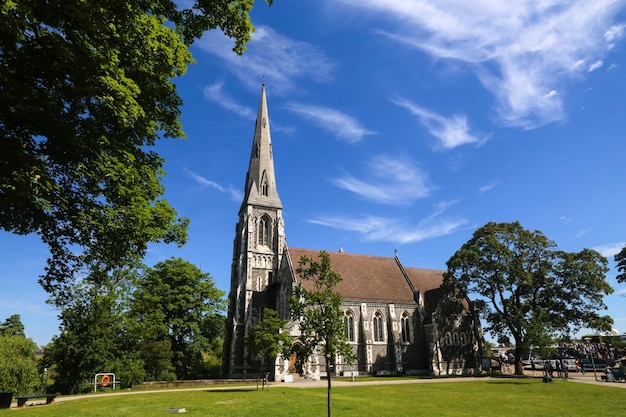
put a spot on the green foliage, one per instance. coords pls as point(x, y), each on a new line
point(12, 326)
point(86, 92)
point(526, 287)
point(89, 341)
point(318, 307)
point(504, 340)
point(620, 258)
point(18, 365)
point(140, 325)
point(177, 305)
point(267, 339)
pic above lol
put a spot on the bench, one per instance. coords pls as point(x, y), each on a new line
point(21, 401)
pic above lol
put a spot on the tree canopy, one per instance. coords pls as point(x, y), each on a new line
point(524, 286)
point(267, 339)
point(86, 90)
point(620, 258)
point(18, 366)
point(159, 323)
point(177, 305)
point(12, 326)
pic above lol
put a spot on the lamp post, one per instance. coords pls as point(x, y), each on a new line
point(587, 339)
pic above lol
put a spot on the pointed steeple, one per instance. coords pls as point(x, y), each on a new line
point(260, 180)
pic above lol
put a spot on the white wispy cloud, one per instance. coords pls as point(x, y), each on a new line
point(233, 193)
point(490, 186)
point(373, 228)
point(610, 250)
point(214, 92)
point(450, 131)
point(596, 65)
point(523, 52)
point(389, 181)
point(281, 60)
point(337, 123)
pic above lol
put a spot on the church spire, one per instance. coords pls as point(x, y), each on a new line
point(260, 180)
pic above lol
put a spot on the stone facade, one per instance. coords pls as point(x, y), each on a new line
point(395, 317)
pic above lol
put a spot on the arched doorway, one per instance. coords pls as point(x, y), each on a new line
point(297, 359)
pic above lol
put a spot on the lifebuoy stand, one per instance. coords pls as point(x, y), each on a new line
point(104, 379)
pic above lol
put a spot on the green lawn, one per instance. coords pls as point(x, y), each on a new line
point(510, 398)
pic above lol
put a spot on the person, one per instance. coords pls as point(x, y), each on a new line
point(548, 372)
point(559, 369)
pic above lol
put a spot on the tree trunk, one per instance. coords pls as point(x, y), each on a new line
point(519, 369)
point(329, 376)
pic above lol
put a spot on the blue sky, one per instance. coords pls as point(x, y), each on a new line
point(396, 124)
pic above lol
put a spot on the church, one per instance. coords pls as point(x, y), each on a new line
point(396, 318)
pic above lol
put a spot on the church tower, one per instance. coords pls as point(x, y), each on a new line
point(258, 248)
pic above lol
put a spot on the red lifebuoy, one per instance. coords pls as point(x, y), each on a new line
point(105, 380)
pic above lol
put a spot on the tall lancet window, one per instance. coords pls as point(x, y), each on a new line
point(406, 327)
point(378, 327)
point(264, 231)
point(348, 321)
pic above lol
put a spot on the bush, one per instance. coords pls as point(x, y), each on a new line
point(18, 367)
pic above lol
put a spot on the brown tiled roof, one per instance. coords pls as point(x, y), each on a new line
point(372, 278)
point(428, 282)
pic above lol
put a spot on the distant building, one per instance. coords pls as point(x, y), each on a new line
point(395, 318)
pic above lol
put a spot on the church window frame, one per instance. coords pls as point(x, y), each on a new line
point(264, 232)
point(405, 327)
point(348, 321)
point(378, 327)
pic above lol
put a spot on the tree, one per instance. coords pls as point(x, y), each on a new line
point(91, 338)
point(175, 304)
point(267, 339)
point(317, 306)
point(18, 367)
point(524, 286)
point(12, 326)
point(86, 92)
point(620, 258)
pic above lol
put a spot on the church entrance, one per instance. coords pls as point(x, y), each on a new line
point(297, 359)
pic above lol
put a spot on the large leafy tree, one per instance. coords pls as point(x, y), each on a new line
point(268, 339)
point(93, 334)
point(86, 90)
point(524, 286)
point(317, 306)
point(176, 306)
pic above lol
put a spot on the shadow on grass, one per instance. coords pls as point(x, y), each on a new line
point(218, 391)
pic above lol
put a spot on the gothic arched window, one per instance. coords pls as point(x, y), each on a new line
point(378, 327)
point(264, 231)
point(348, 321)
point(405, 327)
point(265, 188)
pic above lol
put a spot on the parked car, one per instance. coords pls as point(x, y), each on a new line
point(528, 363)
point(600, 363)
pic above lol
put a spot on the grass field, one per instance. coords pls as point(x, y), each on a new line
point(510, 398)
